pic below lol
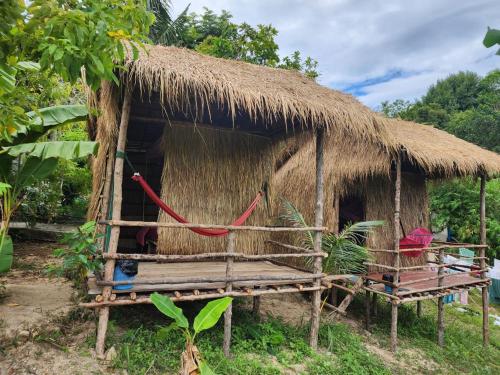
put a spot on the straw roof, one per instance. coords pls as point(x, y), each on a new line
point(440, 153)
point(191, 82)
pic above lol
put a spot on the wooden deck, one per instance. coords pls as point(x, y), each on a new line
point(255, 273)
point(426, 289)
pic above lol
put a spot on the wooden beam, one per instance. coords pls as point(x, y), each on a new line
point(318, 222)
point(115, 215)
point(154, 224)
point(201, 296)
point(191, 257)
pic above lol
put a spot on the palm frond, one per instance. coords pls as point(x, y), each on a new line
point(290, 215)
point(166, 30)
point(346, 254)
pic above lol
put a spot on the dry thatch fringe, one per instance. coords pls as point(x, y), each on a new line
point(210, 176)
point(190, 82)
point(106, 135)
point(440, 153)
point(379, 205)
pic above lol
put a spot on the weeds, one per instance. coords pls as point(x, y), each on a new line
point(258, 347)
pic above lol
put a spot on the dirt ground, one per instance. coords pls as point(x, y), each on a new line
point(38, 333)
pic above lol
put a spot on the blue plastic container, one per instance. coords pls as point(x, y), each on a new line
point(388, 289)
point(118, 275)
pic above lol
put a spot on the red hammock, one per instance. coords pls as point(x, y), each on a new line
point(204, 232)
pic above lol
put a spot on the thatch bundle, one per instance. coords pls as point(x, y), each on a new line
point(210, 176)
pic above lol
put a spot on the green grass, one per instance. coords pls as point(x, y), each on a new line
point(463, 351)
point(258, 347)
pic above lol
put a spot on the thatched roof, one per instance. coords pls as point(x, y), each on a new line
point(440, 153)
point(191, 82)
point(428, 150)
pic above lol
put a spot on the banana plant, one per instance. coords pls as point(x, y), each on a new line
point(192, 361)
point(23, 160)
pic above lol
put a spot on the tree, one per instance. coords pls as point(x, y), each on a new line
point(468, 106)
point(216, 35)
point(166, 30)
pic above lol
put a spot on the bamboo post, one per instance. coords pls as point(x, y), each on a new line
point(419, 309)
point(396, 264)
point(228, 314)
point(482, 255)
point(374, 304)
point(367, 308)
point(256, 306)
point(334, 296)
point(318, 266)
point(441, 300)
point(116, 215)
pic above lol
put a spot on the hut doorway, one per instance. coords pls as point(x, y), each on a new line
point(351, 210)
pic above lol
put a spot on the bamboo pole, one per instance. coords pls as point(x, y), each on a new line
point(419, 309)
point(190, 257)
point(116, 215)
point(154, 224)
point(287, 246)
point(256, 304)
point(229, 288)
point(374, 304)
point(482, 254)
point(441, 301)
point(192, 297)
point(367, 308)
point(211, 279)
point(396, 264)
point(104, 211)
point(318, 222)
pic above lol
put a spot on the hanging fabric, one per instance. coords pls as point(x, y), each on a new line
point(204, 232)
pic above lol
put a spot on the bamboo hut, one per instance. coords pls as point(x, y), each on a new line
point(203, 135)
point(367, 180)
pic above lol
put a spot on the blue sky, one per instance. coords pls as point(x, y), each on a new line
point(376, 49)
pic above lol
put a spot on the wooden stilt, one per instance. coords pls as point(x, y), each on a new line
point(367, 309)
point(334, 296)
point(419, 309)
point(482, 254)
point(116, 215)
point(229, 287)
point(394, 327)
point(256, 306)
point(440, 312)
point(396, 262)
point(374, 304)
point(318, 266)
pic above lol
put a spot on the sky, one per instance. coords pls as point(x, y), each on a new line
point(377, 50)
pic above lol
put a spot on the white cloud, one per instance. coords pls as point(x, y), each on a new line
point(356, 40)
